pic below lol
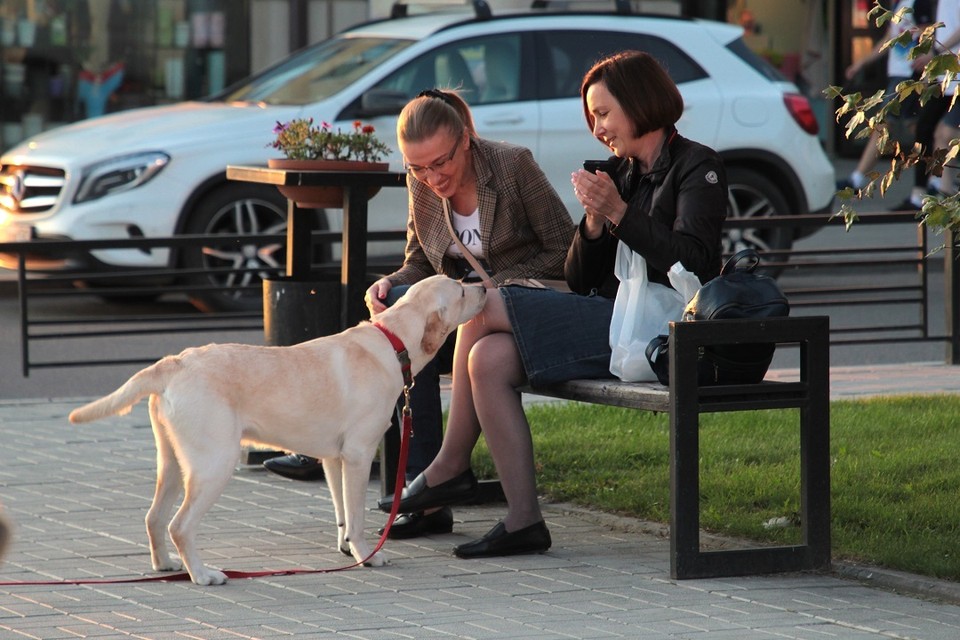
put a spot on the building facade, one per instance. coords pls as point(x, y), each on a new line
point(67, 60)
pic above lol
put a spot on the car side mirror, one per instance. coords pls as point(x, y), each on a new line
point(382, 102)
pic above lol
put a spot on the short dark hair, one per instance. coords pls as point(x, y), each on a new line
point(640, 84)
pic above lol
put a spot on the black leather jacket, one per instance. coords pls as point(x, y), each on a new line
point(674, 213)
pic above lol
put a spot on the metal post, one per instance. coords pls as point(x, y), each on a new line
point(710, 9)
point(24, 321)
point(298, 24)
point(951, 296)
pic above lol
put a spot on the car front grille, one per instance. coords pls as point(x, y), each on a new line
point(25, 189)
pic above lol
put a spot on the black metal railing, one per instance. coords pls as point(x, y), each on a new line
point(875, 292)
point(49, 299)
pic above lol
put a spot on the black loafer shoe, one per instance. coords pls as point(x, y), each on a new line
point(419, 497)
point(296, 467)
point(414, 525)
point(500, 542)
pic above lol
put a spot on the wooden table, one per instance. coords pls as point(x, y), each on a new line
point(354, 236)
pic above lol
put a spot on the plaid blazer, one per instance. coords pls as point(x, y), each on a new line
point(525, 229)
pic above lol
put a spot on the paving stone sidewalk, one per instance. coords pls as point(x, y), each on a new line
point(79, 494)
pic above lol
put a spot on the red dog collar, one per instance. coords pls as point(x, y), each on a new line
point(402, 354)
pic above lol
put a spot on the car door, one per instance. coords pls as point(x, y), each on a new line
point(504, 107)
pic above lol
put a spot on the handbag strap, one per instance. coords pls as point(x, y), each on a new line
point(743, 260)
point(484, 276)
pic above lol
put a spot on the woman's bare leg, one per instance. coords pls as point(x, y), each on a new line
point(487, 370)
point(496, 372)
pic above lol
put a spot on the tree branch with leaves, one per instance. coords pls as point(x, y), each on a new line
point(869, 114)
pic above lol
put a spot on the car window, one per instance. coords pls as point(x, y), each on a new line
point(316, 73)
point(570, 54)
point(486, 70)
point(445, 67)
point(764, 68)
point(500, 78)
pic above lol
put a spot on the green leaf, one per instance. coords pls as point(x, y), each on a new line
point(905, 39)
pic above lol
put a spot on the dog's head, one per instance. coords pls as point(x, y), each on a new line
point(444, 304)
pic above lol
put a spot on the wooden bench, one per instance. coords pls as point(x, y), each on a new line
point(684, 401)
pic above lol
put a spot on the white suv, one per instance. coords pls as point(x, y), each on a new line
point(160, 171)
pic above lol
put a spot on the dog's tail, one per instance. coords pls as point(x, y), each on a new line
point(147, 381)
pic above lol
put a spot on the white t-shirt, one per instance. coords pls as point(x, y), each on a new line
point(467, 229)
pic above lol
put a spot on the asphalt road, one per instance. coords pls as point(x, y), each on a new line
point(85, 381)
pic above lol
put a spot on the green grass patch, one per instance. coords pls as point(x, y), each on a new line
point(894, 473)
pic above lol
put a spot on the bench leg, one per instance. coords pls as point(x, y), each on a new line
point(686, 559)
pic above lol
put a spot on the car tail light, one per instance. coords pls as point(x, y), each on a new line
point(799, 108)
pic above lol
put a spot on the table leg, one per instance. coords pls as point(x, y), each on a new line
point(353, 271)
point(299, 242)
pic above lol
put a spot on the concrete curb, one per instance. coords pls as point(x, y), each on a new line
point(899, 581)
point(875, 577)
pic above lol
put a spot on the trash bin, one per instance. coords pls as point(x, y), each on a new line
point(295, 311)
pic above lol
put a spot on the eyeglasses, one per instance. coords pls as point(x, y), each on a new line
point(420, 173)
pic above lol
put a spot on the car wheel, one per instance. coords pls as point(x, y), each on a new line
point(753, 195)
point(228, 275)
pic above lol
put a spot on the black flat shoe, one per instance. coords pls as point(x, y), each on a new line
point(414, 525)
point(499, 542)
point(419, 497)
point(296, 467)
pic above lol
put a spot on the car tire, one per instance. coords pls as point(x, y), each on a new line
point(753, 195)
point(234, 209)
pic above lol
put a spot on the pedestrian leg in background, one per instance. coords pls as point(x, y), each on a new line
point(927, 121)
point(948, 129)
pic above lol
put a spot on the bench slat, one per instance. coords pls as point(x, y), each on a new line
point(651, 396)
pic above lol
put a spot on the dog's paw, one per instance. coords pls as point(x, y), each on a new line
point(167, 564)
point(376, 560)
point(345, 549)
point(206, 577)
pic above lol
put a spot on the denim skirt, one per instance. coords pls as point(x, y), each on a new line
point(561, 336)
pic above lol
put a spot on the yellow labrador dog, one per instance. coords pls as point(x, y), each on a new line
point(330, 398)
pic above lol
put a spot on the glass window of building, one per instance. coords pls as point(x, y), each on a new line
point(67, 60)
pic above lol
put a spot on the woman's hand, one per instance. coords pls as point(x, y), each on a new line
point(376, 294)
point(600, 199)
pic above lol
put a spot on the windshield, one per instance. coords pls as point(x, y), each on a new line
point(315, 73)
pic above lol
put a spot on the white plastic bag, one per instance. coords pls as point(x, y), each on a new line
point(642, 311)
point(686, 282)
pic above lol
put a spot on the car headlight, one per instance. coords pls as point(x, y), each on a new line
point(119, 174)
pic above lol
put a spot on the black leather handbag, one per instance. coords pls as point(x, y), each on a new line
point(738, 292)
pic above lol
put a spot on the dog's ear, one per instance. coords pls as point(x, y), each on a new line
point(434, 333)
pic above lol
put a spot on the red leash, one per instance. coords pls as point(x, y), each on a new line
point(405, 435)
point(184, 576)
